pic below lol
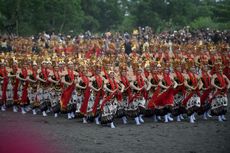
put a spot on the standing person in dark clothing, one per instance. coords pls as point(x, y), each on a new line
point(128, 47)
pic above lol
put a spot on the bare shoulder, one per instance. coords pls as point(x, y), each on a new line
point(160, 77)
point(8, 69)
point(30, 71)
point(106, 81)
point(49, 70)
point(39, 70)
point(171, 75)
point(131, 77)
point(92, 77)
point(63, 73)
point(185, 75)
point(51, 73)
point(19, 70)
point(214, 75)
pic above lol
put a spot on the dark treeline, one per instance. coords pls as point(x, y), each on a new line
point(26, 17)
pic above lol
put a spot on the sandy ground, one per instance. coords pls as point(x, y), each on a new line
point(28, 133)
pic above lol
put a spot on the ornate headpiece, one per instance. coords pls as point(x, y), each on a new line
point(123, 67)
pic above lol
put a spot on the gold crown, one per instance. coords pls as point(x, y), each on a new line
point(123, 67)
point(135, 32)
point(134, 47)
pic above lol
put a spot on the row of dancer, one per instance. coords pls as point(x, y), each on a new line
point(103, 89)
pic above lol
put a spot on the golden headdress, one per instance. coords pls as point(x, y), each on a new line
point(83, 65)
point(135, 32)
point(147, 64)
point(145, 47)
point(159, 64)
point(177, 62)
point(189, 63)
point(97, 66)
point(22, 61)
point(122, 48)
point(106, 61)
point(136, 66)
point(112, 46)
point(134, 47)
point(34, 59)
point(122, 58)
point(123, 67)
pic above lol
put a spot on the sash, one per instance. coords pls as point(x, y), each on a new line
point(141, 83)
point(118, 95)
point(24, 98)
point(5, 83)
point(181, 80)
point(207, 83)
point(85, 102)
point(222, 82)
point(67, 92)
point(194, 84)
point(99, 94)
point(126, 83)
point(66, 96)
point(15, 88)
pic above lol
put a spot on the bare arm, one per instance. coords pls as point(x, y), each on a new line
point(200, 84)
point(226, 78)
point(51, 80)
point(122, 87)
point(66, 83)
point(187, 85)
point(91, 86)
point(28, 78)
point(134, 87)
point(162, 86)
point(79, 86)
point(107, 89)
point(18, 76)
point(213, 83)
point(40, 79)
point(149, 85)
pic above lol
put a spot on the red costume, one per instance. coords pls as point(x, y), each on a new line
point(84, 105)
point(220, 81)
point(99, 94)
point(126, 83)
point(15, 86)
point(67, 92)
point(24, 98)
point(155, 80)
point(193, 82)
point(206, 84)
point(3, 73)
point(167, 97)
point(180, 80)
point(113, 86)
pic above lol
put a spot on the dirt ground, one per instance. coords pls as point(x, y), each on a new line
point(36, 134)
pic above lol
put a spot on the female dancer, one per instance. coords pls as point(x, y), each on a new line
point(56, 89)
point(192, 98)
point(23, 86)
point(68, 95)
point(219, 100)
point(83, 84)
point(179, 92)
point(43, 87)
point(3, 84)
point(205, 91)
point(139, 94)
point(33, 86)
point(165, 98)
point(113, 95)
point(126, 95)
point(96, 84)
